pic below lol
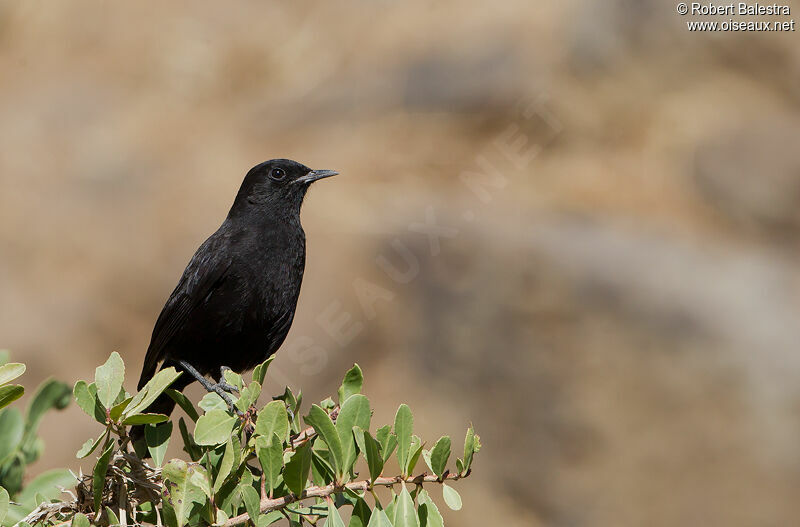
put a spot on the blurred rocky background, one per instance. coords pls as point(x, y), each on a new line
point(574, 224)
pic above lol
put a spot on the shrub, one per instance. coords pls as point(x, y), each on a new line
point(251, 465)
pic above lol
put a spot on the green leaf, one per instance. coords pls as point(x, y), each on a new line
point(145, 419)
point(13, 472)
point(358, 434)
point(289, 398)
point(90, 445)
point(405, 514)
point(429, 514)
point(99, 473)
point(212, 401)
point(426, 455)
point(248, 395)
point(472, 443)
point(293, 407)
point(150, 391)
point(233, 378)
point(272, 419)
point(183, 488)
point(379, 519)
point(31, 448)
point(295, 474)
point(439, 456)
point(322, 472)
point(86, 397)
point(372, 452)
point(351, 496)
point(334, 519)
point(416, 450)
point(112, 518)
point(189, 445)
point(321, 421)
point(80, 520)
point(121, 396)
point(4, 355)
point(387, 440)
point(10, 371)
point(3, 504)
point(269, 518)
point(50, 394)
point(201, 483)
point(214, 428)
point(116, 412)
point(260, 371)
point(354, 412)
point(270, 456)
point(403, 424)
point(108, 379)
point(351, 384)
point(229, 459)
point(221, 517)
point(228, 497)
point(47, 486)
point(251, 501)
point(10, 393)
point(157, 439)
point(294, 416)
point(390, 508)
point(12, 428)
point(361, 514)
point(451, 497)
point(184, 403)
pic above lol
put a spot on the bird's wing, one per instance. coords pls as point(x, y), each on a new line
point(205, 273)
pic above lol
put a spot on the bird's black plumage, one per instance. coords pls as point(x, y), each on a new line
point(236, 300)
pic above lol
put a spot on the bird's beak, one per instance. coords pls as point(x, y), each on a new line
point(315, 175)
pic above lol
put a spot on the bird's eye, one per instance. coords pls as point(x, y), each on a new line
point(277, 174)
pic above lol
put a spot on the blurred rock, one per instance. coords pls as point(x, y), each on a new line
point(752, 176)
point(462, 82)
point(578, 333)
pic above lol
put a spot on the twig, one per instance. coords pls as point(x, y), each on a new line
point(309, 433)
point(68, 523)
point(302, 438)
point(268, 505)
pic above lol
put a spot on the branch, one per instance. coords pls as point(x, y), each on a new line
point(268, 505)
point(309, 433)
point(302, 438)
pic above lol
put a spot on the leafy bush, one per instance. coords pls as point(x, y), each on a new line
point(20, 446)
point(252, 466)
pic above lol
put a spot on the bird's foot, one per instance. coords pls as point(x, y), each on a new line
point(221, 389)
point(223, 383)
point(228, 387)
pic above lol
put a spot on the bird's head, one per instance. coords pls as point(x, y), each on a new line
point(278, 185)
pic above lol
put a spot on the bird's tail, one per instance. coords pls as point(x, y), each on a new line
point(162, 405)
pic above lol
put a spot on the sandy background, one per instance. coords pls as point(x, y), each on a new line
point(613, 302)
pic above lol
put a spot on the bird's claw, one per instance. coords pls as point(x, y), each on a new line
point(223, 383)
point(221, 390)
point(228, 387)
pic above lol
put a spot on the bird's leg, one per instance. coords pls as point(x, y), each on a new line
point(223, 383)
point(209, 386)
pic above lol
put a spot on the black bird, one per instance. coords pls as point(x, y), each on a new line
point(235, 302)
